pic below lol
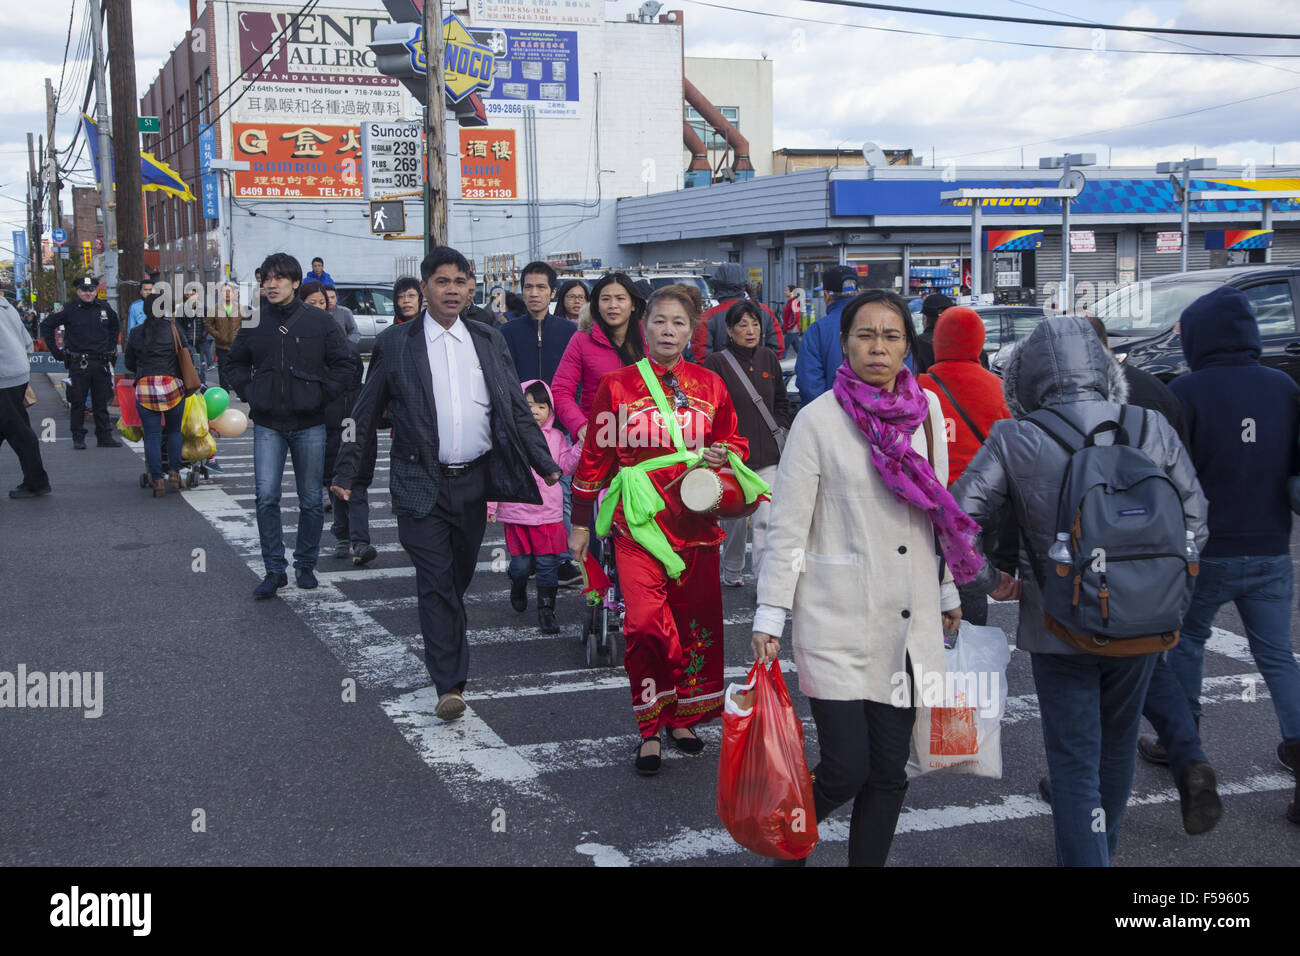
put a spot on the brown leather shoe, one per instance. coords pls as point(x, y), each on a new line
point(174, 480)
point(160, 488)
point(451, 705)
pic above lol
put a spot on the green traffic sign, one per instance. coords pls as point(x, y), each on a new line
point(150, 124)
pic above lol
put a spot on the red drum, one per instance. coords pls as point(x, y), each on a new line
point(715, 493)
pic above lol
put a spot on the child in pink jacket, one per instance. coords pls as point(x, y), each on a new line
point(535, 535)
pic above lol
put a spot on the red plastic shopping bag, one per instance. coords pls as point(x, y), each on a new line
point(765, 797)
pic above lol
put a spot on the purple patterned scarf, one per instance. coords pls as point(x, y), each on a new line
point(887, 421)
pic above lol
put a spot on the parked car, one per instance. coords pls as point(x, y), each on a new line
point(372, 306)
point(1005, 324)
point(788, 379)
point(658, 280)
point(1141, 318)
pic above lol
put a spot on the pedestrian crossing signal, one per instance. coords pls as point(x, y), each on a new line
point(387, 217)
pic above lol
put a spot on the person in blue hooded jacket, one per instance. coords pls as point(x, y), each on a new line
point(819, 349)
point(1242, 424)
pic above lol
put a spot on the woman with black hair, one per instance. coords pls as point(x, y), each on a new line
point(408, 299)
point(152, 355)
point(608, 340)
point(752, 373)
point(650, 423)
point(860, 502)
point(570, 299)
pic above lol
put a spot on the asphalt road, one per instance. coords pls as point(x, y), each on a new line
point(228, 735)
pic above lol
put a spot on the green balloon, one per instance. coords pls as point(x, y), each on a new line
point(217, 400)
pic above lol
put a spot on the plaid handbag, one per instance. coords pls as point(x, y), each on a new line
point(158, 393)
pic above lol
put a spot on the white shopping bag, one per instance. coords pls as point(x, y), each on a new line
point(958, 725)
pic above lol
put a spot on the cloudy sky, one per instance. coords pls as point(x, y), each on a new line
point(845, 75)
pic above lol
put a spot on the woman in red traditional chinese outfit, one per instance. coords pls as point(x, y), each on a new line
point(649, 422)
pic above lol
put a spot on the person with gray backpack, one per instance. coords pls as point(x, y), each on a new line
point(1105, 497)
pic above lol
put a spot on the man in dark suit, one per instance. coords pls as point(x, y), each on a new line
point(462, 435)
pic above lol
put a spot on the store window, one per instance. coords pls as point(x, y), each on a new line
point(878, 271)
point(810, 272)
point(937, 271)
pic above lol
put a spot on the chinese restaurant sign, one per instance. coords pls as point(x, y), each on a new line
point(306, 161)
point(488, 168)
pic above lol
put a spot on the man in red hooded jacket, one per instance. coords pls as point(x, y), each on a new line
point(971, 399)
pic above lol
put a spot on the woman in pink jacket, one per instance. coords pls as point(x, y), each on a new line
point(535, 534)
point(608, 338)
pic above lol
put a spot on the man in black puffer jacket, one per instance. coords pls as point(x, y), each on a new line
point(289, 365)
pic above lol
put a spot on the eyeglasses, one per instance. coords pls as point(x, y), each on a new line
point(679, 397)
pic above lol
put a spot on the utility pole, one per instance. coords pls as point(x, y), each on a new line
point(56, 219)
point(1067, 181)
point(105, 155)
point(1184, 192)
point(126, 138)
point(34, 212)
point(435, 130)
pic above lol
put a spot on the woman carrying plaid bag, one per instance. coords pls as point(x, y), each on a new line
point(151, 355)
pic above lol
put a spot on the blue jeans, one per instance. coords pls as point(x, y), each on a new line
point(1092, 710)
point(548, 566)
point(156, 426)
point(307, 447)
point(1261, 586)
point(1166, 708)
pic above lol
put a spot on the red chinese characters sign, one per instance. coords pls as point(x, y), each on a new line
point(488, 168)
point(298, 161)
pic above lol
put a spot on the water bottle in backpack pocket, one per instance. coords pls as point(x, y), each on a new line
point(1119, 577)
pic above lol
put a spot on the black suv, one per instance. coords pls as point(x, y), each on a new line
point(1141, 318)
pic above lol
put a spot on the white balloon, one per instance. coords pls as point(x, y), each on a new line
point(231, 422)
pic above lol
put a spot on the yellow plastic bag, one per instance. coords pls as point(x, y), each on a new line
point(194, 423)
point(129, 432)
point(199, 449)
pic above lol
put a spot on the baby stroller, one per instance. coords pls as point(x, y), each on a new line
point(131, 417)
point(602, 627)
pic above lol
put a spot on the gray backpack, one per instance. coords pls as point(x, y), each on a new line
point(1128, 582)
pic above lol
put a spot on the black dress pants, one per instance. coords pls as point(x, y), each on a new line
point(864, 747)
point(16, 429)
point(351, 517)
point(97, 380)
point(444, 547)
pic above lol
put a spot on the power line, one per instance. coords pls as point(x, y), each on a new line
point(1195, 50)
point(973, 39)
point(66, 44)
point(1038, 21)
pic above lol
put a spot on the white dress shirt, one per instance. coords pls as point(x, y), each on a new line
point(460, 393)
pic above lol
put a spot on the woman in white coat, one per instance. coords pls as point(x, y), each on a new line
point(856, 512)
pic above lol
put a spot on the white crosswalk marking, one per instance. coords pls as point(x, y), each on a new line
point(502, 749)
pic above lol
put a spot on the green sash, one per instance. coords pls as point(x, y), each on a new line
point(641, 502)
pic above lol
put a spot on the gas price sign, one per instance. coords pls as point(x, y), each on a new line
point(391, 157)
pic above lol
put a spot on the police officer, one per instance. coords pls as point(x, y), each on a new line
point(90, 330)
